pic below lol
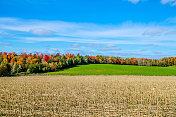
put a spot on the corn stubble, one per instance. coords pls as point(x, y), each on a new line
point(88, 96)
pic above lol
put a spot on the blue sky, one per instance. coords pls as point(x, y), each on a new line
point(125, 28)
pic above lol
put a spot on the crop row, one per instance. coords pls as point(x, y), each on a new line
point(11, 63)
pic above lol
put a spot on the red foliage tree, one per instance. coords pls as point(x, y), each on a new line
point(47, 58)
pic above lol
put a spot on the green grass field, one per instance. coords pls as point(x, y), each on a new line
point(112, 69)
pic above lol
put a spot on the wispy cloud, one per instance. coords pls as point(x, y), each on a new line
point(152, 45)
point(75, 45)
point(110, 49)
point(134, 1)
point(94, 45)
point(172, 2)
point(155, 32)
point(77, 32)
point(5, 34)
point(110, 45)
point(41, 32)
point(7, 44)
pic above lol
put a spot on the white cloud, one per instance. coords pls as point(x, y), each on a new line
point(95, 45)
point(37, 26)
point(60, 28)
point(126, 33)
point(110, 49)
point(7, 44)
point(155, 32)
point(55, 49)
point(5, 34)
point(105, 42)
point(41, 32)
point(110, 45)
point(134, 1)
point(75, 45)
point(172, 2)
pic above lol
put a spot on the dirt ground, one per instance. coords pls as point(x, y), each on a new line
point(88, 96)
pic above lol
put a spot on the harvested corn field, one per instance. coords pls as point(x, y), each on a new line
point(88, 96)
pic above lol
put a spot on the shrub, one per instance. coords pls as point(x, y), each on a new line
point(69, 62)
point(33, 68)
point(52, 66)
point(163, 64)
point(5, 69)
point(40, 67)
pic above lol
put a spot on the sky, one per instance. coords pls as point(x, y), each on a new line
point(124, 28)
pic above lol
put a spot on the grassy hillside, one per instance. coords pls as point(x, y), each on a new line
point(112, 69)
